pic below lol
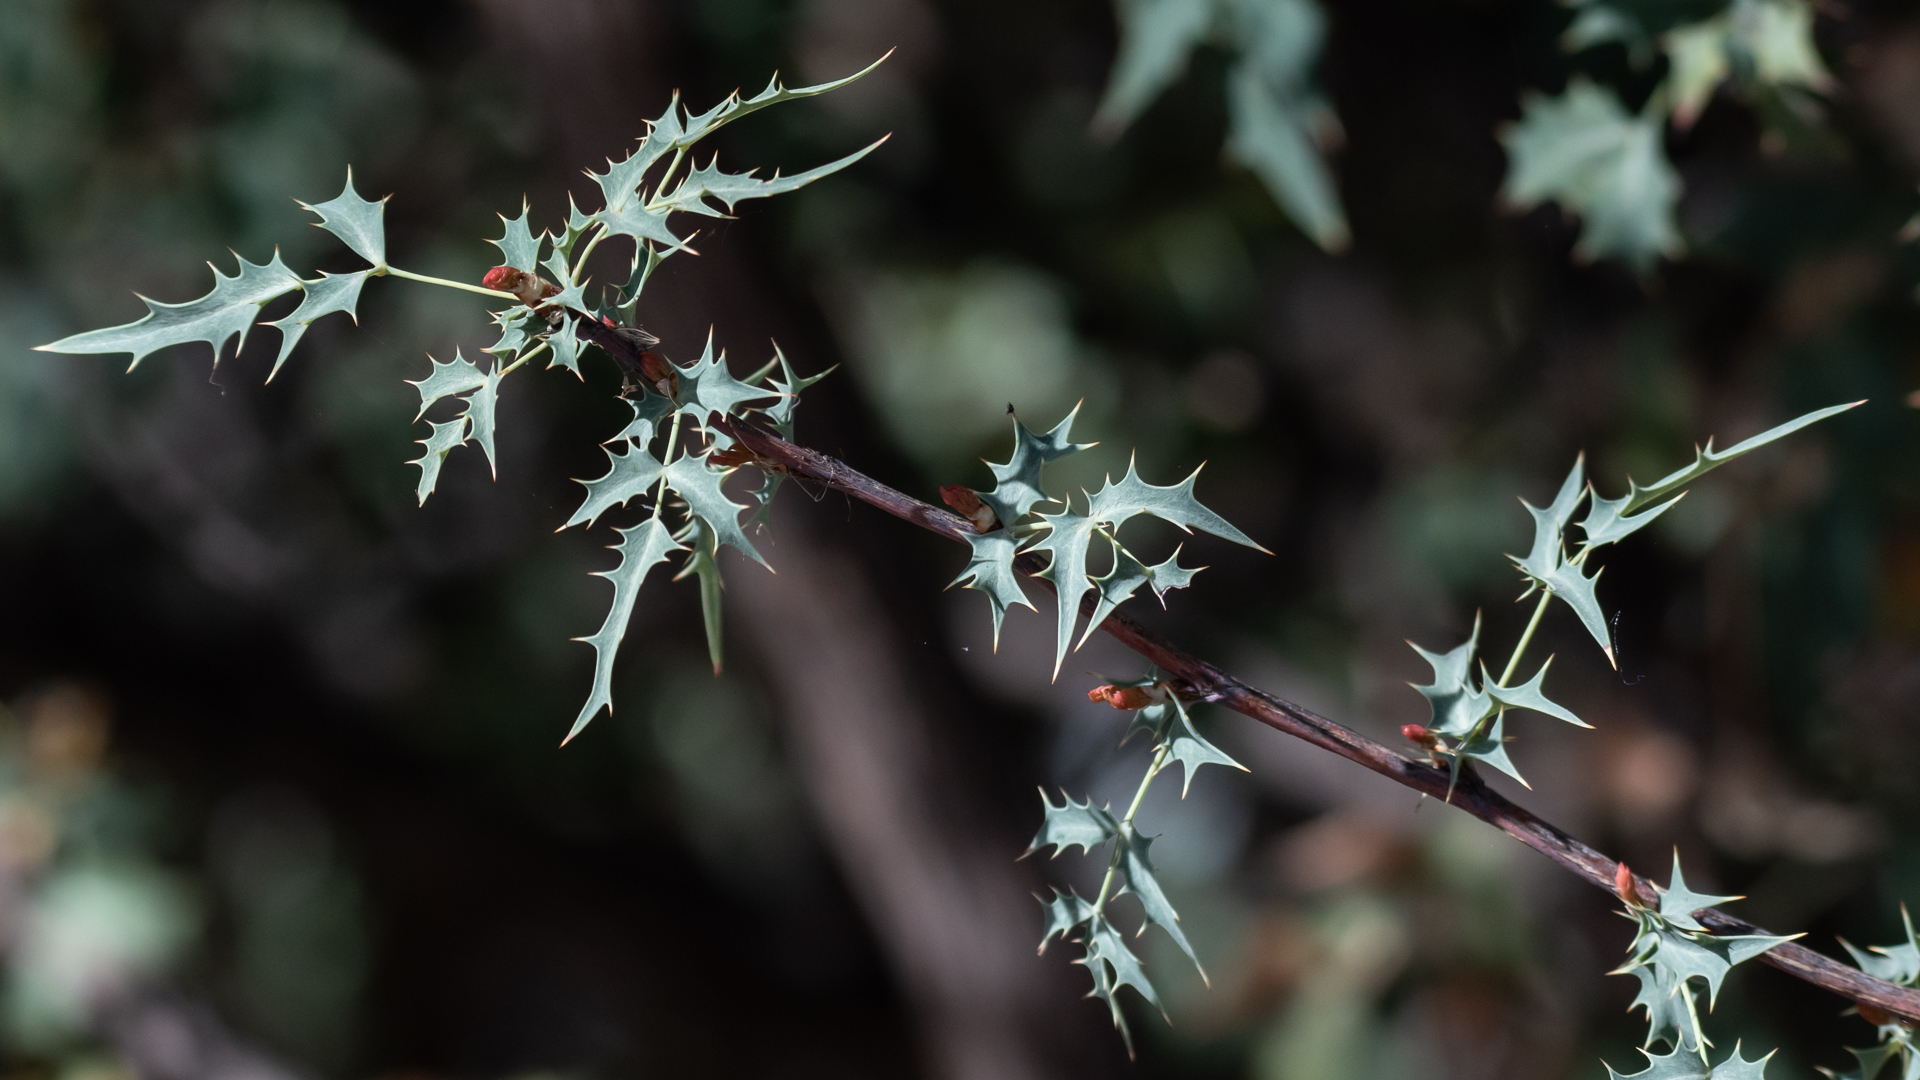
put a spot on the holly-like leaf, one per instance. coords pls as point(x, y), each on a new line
point(572, 294)
point(1528, 695)
point(481, 406)
point(710, 182)
point(229, 310)
point(1131, 496)
point(1272, 131)
point(649, 409)
point(620, 184)
point(789, 386)
point(1017, 483)
point(641, 549)
point(1136, 877)
point(1549, 525)
point(518, 246)
point(1185, 746)
point(1577, 589)
point(1769, 42)
point(1456, 705)
point(1599, 24)
point(1687, 1065)
point(1113, 966)
point(1583, 150)
point(1073, 824)
point(565, 343)
point(1064, 912)
point(1869, 1062)
point(518, 326)
point(1703, 956)
point(328, 294)
point(990, 570)
point(631, 473)
point(1127, 575)
point(444, 438)
point(708, 387)
point(1666, 1009)
point(703, 547)
point(699, 484)
point(1487, 742)
point(1068, 534)
point(456, 376)
point(1607, 520)
point(1155, 38)
point(1895, 963)
point(733, 107)
point(1678, 902)
point(358, 222)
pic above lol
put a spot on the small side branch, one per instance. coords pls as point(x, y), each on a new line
point(1195, 679)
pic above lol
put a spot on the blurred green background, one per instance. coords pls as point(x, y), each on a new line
point(279, 787)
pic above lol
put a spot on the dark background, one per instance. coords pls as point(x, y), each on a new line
point(334, 714)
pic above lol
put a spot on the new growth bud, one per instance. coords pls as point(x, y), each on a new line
point(966, 502)
point(1130, 697)
point(1625, 887)
point(737, 454)
point(1876, 1017)
point(1420, 736)
point(529, 289)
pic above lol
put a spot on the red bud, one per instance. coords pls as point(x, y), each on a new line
point(529, 289)
point(967, 503)
point(1625, 888)
point(1419, 735)
point(737, 454)
point(1871, 1015)
point(1128, 697)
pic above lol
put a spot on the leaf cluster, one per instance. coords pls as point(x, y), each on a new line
point(1899, 964)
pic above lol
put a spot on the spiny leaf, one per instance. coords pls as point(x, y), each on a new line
point(733, 108)
point(620, 184)
point(1682, 1064)
point(1064, 912)
point(1868, 1063)
point(641, 549)
point(1136, 877)
point(1678, 902)
point(1456, 705)
point(1017, 483)
point(1488, 743)
point(215, 318)
point(1113, 966)
point(1127, 575)
point(518, 246)
point(1068, 534)
point(1569, 584)
point(444, 438)
point(1155, 38)
point(1528, 695)
point(358, 222)
point(1549, 525)
point(481, 406)
point(732, 188)
point(456, 376)
point(708, 387)
point(648, 410)
point(517, 324)
point(1072, 824)
point(1666, 1010)
point(1606, 520)
point(1174, 729)
point(328, 294)
point(990, 570)
point(1769, 41)
point(631, 473)
point(1896, 963)
point(1583, 150)
point(565, 343)
point(789, 386)
point(572, 294)
point(699, 484)
point(1116, 503)
point(701, 561)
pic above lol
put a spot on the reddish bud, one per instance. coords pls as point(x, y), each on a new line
point(503, 278)
point(1129, 697)
point(1871, 1015)
point(529, 289)
point(966, 502)
point(659, 373)
point(1419, 735)
point(1625, 887)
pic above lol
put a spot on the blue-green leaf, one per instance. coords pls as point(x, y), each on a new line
point(1569, 584)
point(620, 184)
point(1684, 1064)
point(649, 409)
point(481, 406)
point(704, 546)
point(1155, 38)
point(518, 246)
point(1678, 902)
point(444, 438)
point(328, 294)
point(1136, 877)
point(1073, 824)
point(1127, 575)
point(708, 387)
point(1549, 525)
point(358, 222)
point(1064, 912)
point(456, 376)
point(789, 386)
point(1131, 496)
point(565, 343)
point(631, 473)
point(1272, 133)
point(1528, 695)
point(1186, 747)
point(1486, 742)
point(733, 108)
point(1896, 963)
point(1456, 705)
point(1113, 966)
point(699, 484)
point(1666, 1010)
point(1017, 483)
point(990, 570)
point(709, 182)
point(641, 549)
point(1068, 534)
point(215, 318)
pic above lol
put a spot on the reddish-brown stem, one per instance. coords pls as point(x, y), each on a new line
point(1197, 680)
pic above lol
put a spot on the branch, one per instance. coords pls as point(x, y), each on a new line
point(1198, 680)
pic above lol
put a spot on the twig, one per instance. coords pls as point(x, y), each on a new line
point(1195, 679)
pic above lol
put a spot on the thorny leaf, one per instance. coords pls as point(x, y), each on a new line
point(1488, 743)
point(1896, 963)
point(1073, 824)
point(1683, 1064)
point(1127, 575)
point(990, 570)
point(1065, 544)
point(1550, 524)
point(1116, 503)
point(733, 188)
point(358, 222)
point(701, 561)
point(1017, 483)
point(1169, 725)
point(1870, 1061)
point(1678, 902)
point(708, 387)
point(1155, 38)
point(1136, 877)
point(1064, 912)
point(641, 549)
point(1528, 695)
point(324, 296)
point(733, 107)
point(518, 246)
point(215, 318)
point(649, 409)
point(1275, 119)
point(1456, 705)
point(456, 376)
point(1113, 966)
point(699, 484)
point(631, 473)
point(565, 343)
point(444, 438)
point(481, 405)
point(1666, 1011)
